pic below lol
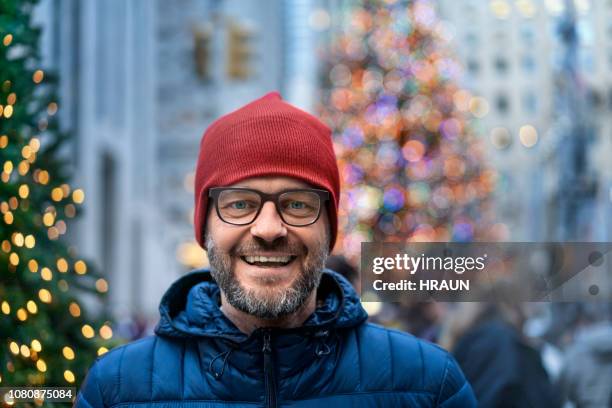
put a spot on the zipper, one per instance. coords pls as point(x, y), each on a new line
point(270, 380)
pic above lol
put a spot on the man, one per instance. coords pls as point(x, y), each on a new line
point(267, 325)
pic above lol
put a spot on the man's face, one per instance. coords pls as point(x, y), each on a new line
point(267, 289)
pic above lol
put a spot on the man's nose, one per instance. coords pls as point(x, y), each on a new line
point(269, 225)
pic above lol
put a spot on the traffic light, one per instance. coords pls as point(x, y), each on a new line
point(202, 37)
point(239, 51)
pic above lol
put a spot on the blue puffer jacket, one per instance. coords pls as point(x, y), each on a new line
point(198, 358)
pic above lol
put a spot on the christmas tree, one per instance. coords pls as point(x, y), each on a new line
point(411, 167)
point(46, 338)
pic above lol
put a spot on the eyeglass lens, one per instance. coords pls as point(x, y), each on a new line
point(296, 207)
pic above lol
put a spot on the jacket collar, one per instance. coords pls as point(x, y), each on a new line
point(190, 308)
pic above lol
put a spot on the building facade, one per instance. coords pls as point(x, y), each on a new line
point(514, 54)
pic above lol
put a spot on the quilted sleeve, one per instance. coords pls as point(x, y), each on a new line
point(455, 391)
point(90, 395)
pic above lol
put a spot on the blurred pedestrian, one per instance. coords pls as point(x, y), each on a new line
point(504, 367)
point(586, 377)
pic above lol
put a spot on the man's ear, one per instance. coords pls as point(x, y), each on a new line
point(209, 208)
point(204, 235)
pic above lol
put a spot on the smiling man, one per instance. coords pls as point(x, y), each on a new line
point(267, 325)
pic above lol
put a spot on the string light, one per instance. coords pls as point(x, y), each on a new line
point(45, 296)
point(38, 76)
point(101, 285)
point(106, 332)
point(25, 351)
point(48, 219)
point(68, 353)
point(41, 365)
point(78, 196)
point(52, 109)
point(18, 239)
point(14, 259)
point(88, 331)
point(24, 191)
point(69, 376)
point(36, 346)
point(43, 177)
point(80, 267)
point(30, 241)
point(33, 265)
point(74, 309)
point(7, 40)
point(57, 194)
point(22, 315)
point(65, 190)
point(46, 274)
point(8, 111)
point(62, 265)
point(31, 306)
point(26, 151)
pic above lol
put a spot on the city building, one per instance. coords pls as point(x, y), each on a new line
point(513, 55)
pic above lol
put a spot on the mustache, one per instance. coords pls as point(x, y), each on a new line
point(279, 245)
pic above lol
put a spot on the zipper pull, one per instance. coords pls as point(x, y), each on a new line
point(267, 346)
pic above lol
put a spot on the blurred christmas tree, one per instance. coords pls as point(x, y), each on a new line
point(45, 337)
point(410, 165)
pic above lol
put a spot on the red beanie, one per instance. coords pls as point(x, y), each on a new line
point(267, 137)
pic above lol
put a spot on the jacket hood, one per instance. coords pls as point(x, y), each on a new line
point(190, 308)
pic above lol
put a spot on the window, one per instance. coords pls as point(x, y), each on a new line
point(501, 65)
point(473, 67)
point(502, 103)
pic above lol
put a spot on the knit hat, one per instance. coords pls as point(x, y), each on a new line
point(267, 137)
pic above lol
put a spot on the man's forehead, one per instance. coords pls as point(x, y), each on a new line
point(271, 183)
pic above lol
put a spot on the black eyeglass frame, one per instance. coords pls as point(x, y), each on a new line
point(215, 192)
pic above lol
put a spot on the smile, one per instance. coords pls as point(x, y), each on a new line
point(268, 261)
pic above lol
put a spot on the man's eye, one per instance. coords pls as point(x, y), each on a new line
point(239, 205)
point(296, 205)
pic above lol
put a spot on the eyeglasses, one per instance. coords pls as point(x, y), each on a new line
point(241, 206)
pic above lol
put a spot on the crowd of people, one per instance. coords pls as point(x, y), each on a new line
point(515, 354)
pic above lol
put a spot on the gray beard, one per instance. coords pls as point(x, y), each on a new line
point(275, 304)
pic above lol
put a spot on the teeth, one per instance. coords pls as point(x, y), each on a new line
point(253, 259)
